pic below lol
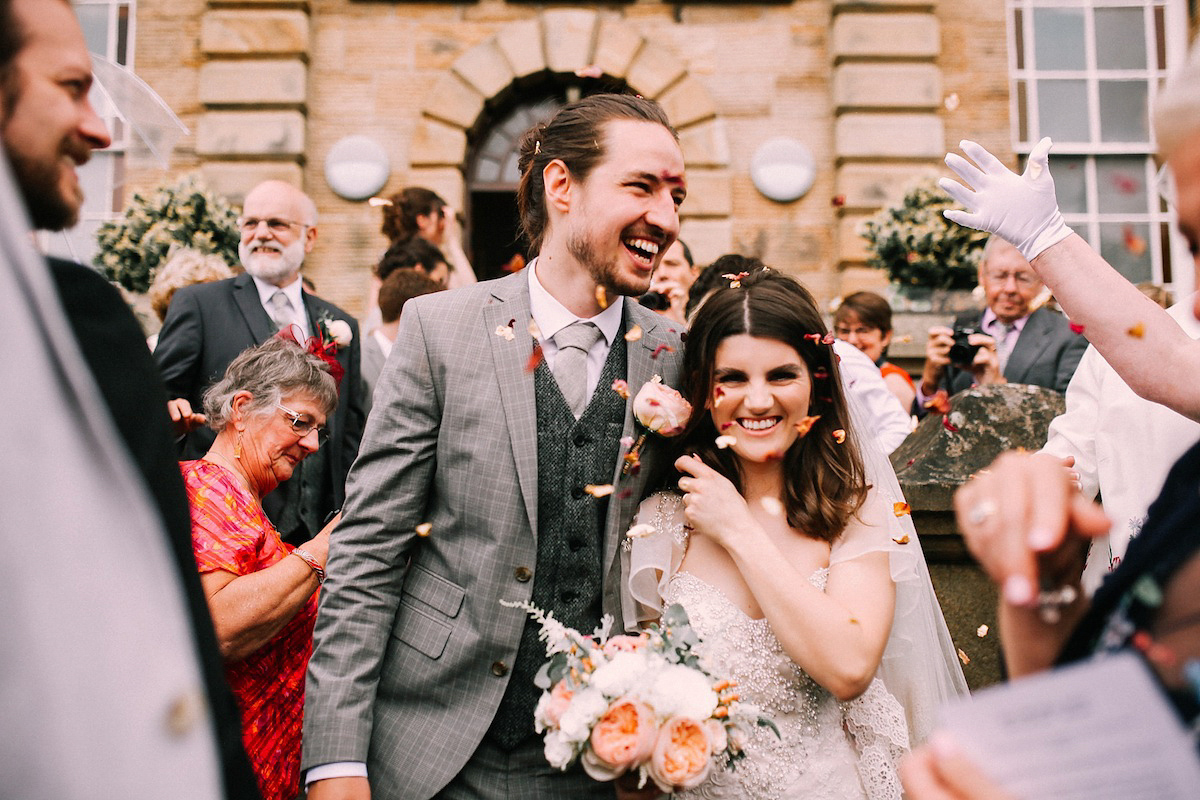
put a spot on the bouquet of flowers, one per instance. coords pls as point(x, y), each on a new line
point(644, 703)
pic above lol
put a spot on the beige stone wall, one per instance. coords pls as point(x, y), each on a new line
point(767, 70)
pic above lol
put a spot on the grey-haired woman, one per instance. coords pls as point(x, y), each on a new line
point(269, 411)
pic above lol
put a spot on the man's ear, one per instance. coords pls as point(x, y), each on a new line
point(558, 182)
point(310, 238)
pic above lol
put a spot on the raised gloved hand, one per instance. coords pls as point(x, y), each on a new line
point(1020, 209)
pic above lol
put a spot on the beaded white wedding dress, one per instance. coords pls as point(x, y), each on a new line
point(825, 750)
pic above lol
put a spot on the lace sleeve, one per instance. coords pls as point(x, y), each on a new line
point(652, 557)
point(920, 664)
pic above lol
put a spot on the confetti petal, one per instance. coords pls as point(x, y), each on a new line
point(726, 426)
point(839, 436)
point(590, 71)
point(981, 631)
point(633, 334)
point(1133, 243)
point(624, 493)
point(514, 264)
point(627, 441)
point(601, 297)
point(820, 373)
point(1076, 327)
point(940, 402)
point(661, 348)
point(901, 509)
point(1137, 331)
point(726, 441)
point(599, 490)
point(772, 506)
point(815, 337)
point(640, 531)
point(839, 200)
point(535, 358)
point(622, 388)
point(900, 539)
point(951, 102)
point(505, 332)
point(904, 339)
point(963, 657)
point(534, 331)
point(718, 396)
point(948, 425)
point(829, 338)
point(424, 529)
point(805, 425)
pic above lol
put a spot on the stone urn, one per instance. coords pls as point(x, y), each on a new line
point(938, 457)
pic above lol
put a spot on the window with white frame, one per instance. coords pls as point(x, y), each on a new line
point(1085, 73)
point(108, 29)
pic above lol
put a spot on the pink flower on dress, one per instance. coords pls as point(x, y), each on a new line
point(560, 698)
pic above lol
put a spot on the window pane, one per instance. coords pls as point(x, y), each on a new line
point(1022, 113)
point(1058, 38)
point(1160, 39)
point(1062, 109)
point(94, 21)
point(1120, 38)
point(1070, 183)
point(1126, 247)
point(1123, 112)
point(1019, 36)
point(1121, 185)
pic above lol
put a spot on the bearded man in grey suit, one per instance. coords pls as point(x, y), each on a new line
point(494, 413)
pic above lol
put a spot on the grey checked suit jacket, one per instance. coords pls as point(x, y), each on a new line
point(410, 663)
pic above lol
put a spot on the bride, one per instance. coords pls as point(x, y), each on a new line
point(796, 563)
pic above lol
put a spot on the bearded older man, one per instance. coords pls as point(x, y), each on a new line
point(208, 325)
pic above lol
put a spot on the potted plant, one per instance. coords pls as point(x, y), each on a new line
point(930, 260)
point(185, 214)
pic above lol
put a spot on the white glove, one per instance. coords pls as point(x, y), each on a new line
point(1020, 209)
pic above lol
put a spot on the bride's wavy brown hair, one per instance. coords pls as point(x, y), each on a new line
point(824, 482)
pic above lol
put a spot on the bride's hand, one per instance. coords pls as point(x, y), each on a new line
point(711, 504)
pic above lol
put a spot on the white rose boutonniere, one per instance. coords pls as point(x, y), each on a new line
point(659, 409)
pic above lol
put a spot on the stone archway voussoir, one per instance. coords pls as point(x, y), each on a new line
point(568, 35)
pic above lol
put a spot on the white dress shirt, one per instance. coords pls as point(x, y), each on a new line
point(890, 423)
point(1123, 446)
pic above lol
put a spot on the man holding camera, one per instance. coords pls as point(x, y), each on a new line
point(1009, 342)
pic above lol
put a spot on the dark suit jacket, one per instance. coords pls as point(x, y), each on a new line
point(116, 353)
point(210, 324)
point(1046, 354)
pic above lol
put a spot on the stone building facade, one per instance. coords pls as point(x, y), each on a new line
point(878, 90)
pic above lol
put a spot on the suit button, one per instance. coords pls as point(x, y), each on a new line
point(581, 439)
point(523, 574)
point(499, 669)
point(577, 492)
point(576, 545)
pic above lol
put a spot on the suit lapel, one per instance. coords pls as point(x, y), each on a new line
point(245, 295)
point(508, 307)
point(1029, 345)
point(640, 367)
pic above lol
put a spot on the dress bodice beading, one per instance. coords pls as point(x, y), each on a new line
point(825, 749)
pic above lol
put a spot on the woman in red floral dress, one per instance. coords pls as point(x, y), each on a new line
point(269, 411)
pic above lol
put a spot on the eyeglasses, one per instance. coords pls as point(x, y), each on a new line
point(302, 426)
point(1022, 279)
point(275, 224)
point(843, 333)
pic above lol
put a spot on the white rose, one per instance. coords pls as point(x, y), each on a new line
point(587, 706)
point(681, 691)
point(621, 674)
point(339, 329)
point(559, 751)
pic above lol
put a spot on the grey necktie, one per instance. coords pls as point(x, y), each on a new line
point(570, 363)
point(282, 313)
point(1003, 349)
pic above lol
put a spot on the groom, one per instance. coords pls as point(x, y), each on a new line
point(471, 486)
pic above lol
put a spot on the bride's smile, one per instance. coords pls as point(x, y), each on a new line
point(761, 392)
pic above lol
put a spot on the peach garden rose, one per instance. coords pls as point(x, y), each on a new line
point(621, 740)
point(682, 756)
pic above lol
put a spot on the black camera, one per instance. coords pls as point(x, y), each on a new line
point(962, 353)
point(655, 301)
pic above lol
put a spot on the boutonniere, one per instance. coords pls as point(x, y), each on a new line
point(657, 409)
point(334, 332)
